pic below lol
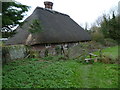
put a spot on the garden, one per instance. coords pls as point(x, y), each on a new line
point(57, 72)
point(93, 63)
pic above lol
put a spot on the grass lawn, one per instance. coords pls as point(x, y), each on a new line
point(111, 52)
point(54, 73)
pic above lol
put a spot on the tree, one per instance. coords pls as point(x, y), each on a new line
point(111, 27)
point(12, 14)
point(96, 34)
point(114, 27)
point(105, 26)
point(99, 20)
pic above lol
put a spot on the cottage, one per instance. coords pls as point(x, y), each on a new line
point(57, 29)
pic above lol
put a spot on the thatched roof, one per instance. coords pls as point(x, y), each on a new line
point(57, 28)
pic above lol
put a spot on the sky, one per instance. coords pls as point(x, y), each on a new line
point(81, 11)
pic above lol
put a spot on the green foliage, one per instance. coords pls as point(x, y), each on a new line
point(54, 58)
point(111, 27)
point(12, 14)
point(59, 74)
point(104, 27)
point(110, 42)
point(58, 50)
point(109, 55)
point(97, 36)
point(35, 26)
point(8, 34)
point(48, 58)
point(34, 54)
point(46, 52)
point(34, 59)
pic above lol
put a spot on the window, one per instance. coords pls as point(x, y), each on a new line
point(47, 45)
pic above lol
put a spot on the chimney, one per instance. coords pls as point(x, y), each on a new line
point(48, 4)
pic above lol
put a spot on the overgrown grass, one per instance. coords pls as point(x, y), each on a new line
point(52, 72)
point(111, 52)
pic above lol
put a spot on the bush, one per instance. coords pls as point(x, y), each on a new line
point(98, 37)
point(91, 46)
point(110, 42)
point(109, 59)
point(34, 54)
point(58, 50)
point(46, 52)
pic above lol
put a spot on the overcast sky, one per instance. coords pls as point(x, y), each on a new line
point(81, 11)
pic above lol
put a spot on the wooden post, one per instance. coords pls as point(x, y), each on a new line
point(95, 59)
point(100, 53)
point(90, 56)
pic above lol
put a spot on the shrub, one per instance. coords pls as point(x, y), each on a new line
point(110, 42)
point(98, 37)
point(109, 58)
point(95, 45)
point(34, 54)
point(46, 52)
point(91, 46)
point(58, 50)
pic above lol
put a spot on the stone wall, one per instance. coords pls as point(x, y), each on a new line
point(10, 53)
point(13, 52)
